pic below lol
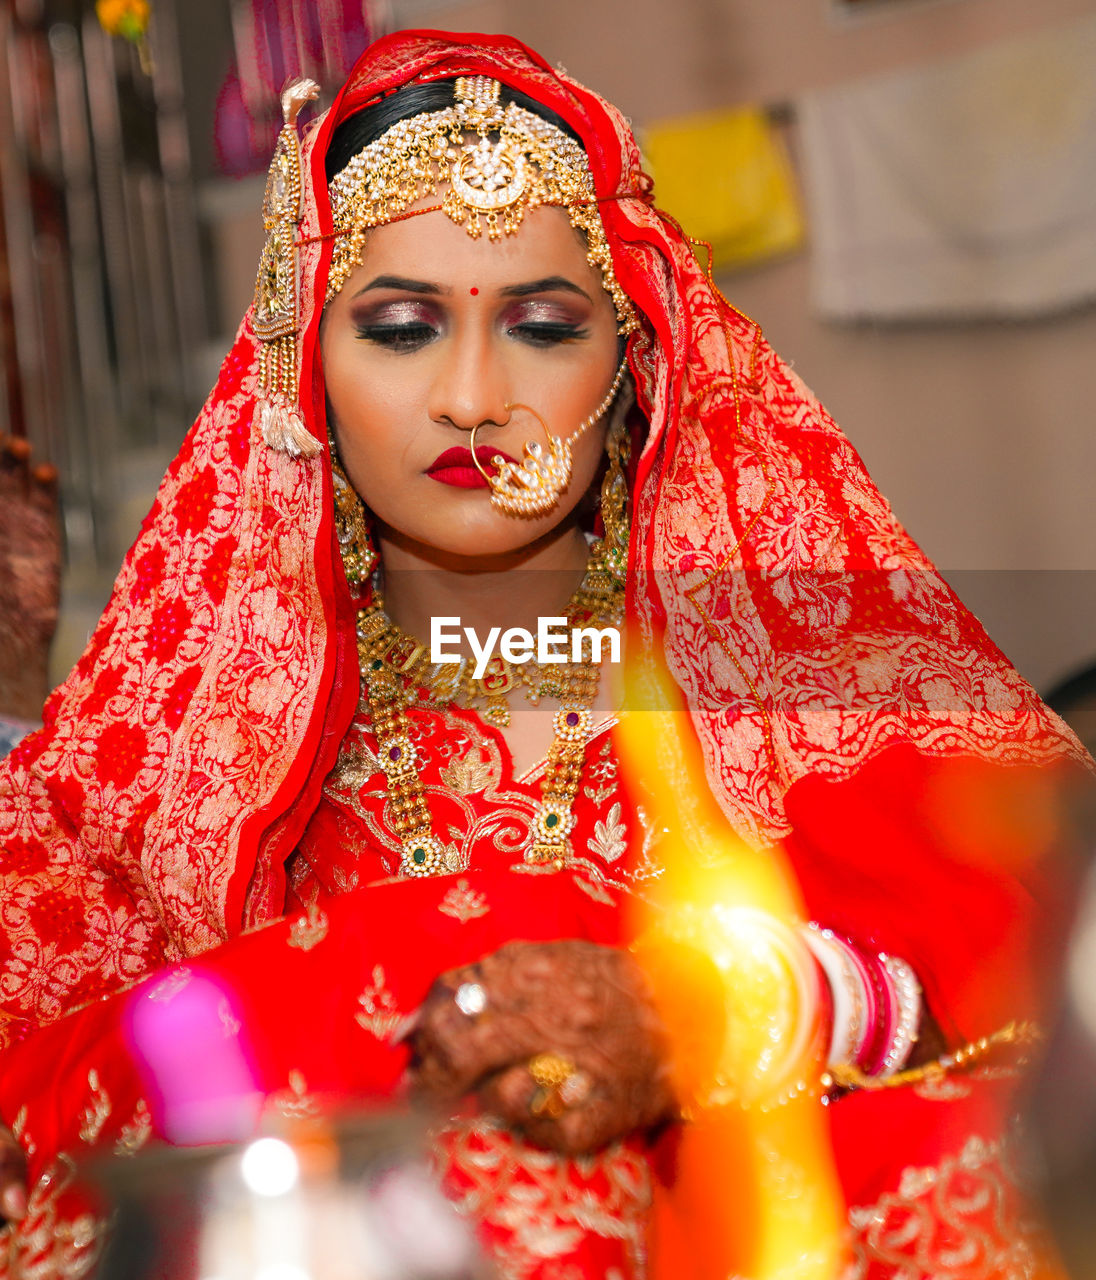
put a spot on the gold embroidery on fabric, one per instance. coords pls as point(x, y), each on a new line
point(506, 824)
point(295, 1102)
point(538, 1206)
point(946, 1088)
point(353, 769)
point(942, 1088)
point(603, 772)
point(610, 839)
point(544, 868)
point(723, 649)
point(467, 827)
point(467, 774)
point(958, 1220)
point(464, 903)
point(607, 847)
point(343, 882)
point(648, 868)
point(380, 1015)
point(594, 886)
point(135, 1134)
point(346, 786)
point(170, 985)
point(97, 1112)
point(456, 858)
point(48, 1244)
point(308, 930)
point(228, 1019)
point(470, 757)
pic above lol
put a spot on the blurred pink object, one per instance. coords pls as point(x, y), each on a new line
point(186, 1037)
point(276, 40)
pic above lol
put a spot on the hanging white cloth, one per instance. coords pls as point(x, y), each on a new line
point(962, 189)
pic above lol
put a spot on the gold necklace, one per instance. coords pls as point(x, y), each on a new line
point(597, 603)
point(394, 664)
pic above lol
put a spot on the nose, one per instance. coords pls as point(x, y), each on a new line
point(470, 386)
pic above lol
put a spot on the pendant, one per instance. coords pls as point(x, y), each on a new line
point(497, 712)
point(423, 856)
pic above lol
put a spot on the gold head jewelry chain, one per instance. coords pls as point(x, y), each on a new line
point(496, 164)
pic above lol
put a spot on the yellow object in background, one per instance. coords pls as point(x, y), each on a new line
point(726, 177)
point(125, 18)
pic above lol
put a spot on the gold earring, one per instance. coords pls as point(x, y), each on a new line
point(533, 486)
point(359, 555)
point(615, 522)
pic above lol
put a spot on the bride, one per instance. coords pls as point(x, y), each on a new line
point(485, 383)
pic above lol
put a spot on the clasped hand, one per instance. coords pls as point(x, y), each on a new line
point(576, 1004)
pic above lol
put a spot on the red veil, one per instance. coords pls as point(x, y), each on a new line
point(829, 673)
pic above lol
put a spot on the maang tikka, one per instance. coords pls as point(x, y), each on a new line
point(275, 316)
point(495, 163)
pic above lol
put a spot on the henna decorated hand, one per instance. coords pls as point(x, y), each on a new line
point(573, 1000)
point(13, 1178)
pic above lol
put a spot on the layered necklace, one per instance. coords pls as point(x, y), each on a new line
point(397, 673)
point(594, 604)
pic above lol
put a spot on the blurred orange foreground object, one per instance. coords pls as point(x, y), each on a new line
point(747, 1186)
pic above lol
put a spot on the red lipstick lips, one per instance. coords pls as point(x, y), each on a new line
point(456, 467)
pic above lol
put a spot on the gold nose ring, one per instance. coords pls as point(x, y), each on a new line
point(534, 485)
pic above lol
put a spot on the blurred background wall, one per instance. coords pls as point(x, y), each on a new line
point(979, 428)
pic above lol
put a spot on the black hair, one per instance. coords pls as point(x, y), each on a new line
point(369, 124)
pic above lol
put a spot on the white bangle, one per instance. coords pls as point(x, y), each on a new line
point(907, 993)
point(851, 998)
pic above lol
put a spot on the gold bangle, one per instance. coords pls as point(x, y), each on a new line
point(1020, 1034)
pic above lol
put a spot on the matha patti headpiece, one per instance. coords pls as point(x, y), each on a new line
point(275, 315)
point(514, 162)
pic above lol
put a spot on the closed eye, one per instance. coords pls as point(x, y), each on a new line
point(546, 333)
point(397, 337)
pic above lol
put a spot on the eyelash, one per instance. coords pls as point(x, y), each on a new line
point(397, 337)
point(411, 337)
point(548, 334)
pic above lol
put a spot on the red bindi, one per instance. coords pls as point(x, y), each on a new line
point(473, 291)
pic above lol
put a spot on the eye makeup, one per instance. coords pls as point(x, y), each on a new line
point(402, 323)
point(544, 321)
point(541, 311)
point(410, 323)
point(396, 312)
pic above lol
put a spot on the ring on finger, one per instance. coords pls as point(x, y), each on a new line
point(560, 1085)
point(471, 999)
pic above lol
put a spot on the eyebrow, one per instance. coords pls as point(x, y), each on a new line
point(548, 285)
point(404, 284)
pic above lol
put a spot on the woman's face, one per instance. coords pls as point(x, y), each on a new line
point(435, 334)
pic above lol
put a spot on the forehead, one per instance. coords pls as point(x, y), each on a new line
point(432, 246)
